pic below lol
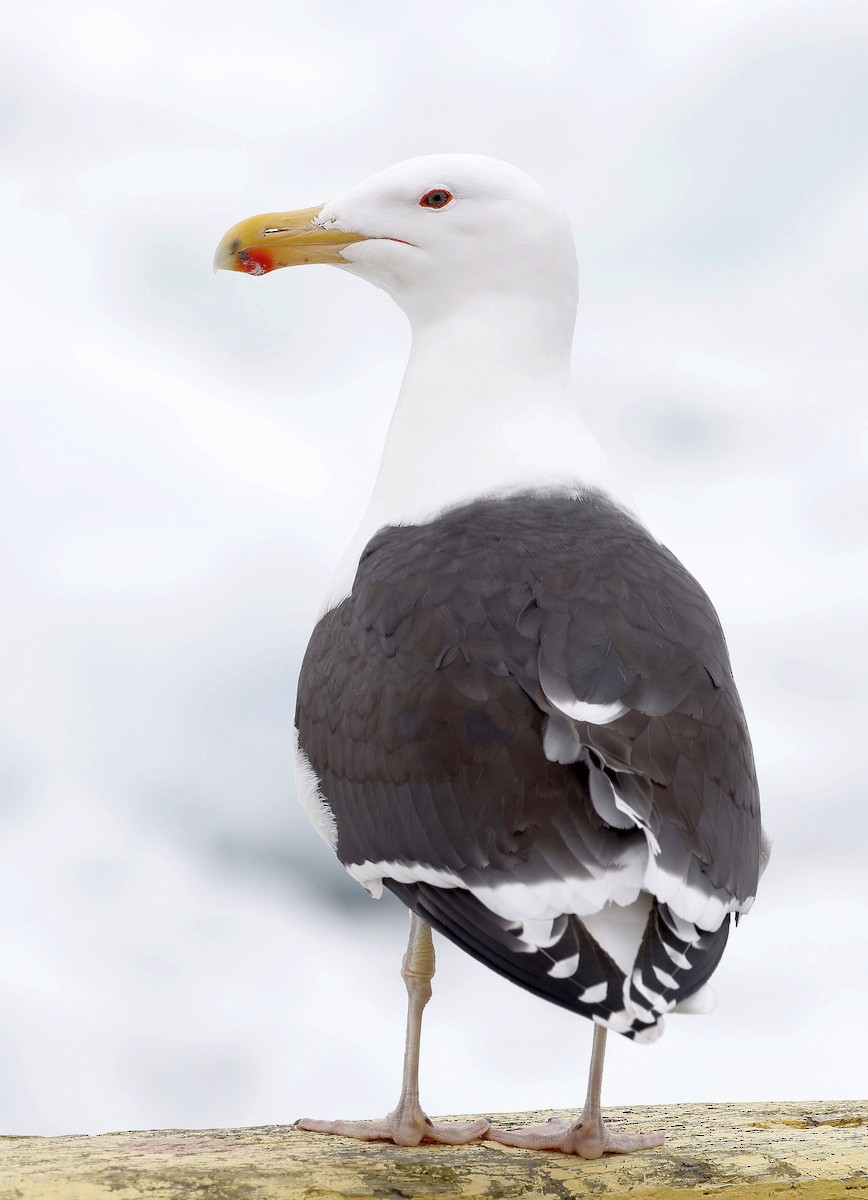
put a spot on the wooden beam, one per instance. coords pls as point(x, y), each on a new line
point(731, 1151)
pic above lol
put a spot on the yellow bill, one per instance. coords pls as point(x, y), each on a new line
point(289, 239)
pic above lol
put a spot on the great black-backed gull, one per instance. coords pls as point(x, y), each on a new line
point(517, 712)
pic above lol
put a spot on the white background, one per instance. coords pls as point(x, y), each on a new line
point(184, 457)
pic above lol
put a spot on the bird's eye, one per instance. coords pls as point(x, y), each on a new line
point(438, 198)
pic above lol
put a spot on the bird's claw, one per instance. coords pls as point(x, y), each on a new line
point(588, 1139)
point(404, 1127)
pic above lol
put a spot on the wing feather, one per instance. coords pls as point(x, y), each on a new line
point(534, 697)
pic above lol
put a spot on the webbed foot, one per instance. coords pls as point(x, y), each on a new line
point(407, 1127)
point(587, 1138)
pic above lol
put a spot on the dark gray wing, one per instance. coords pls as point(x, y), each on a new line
point(427, 697)
point(630, 626)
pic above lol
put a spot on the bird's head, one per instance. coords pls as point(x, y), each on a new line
point(435, 232)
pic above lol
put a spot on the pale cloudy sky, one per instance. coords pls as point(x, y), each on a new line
point(184, 457)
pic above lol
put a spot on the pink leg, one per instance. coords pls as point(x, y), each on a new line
point(589, 1136)
point(407, 1124)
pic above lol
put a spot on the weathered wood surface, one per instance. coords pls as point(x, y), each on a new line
point(815, 1150)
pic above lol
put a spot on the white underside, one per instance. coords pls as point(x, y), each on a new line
point(313, 802)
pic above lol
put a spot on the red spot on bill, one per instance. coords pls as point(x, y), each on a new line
point(254, 262)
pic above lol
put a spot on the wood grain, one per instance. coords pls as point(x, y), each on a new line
point(815, 1150)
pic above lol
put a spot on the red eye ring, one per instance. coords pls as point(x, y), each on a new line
point(436, 198)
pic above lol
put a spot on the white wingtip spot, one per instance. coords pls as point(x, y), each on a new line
point(644, 1037)
point(665, 978)
point(565, 968)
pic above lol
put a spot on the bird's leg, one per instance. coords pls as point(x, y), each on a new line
point(589, 1136)
point(407, 1124)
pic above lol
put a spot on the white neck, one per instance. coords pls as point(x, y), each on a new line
point(485, 408)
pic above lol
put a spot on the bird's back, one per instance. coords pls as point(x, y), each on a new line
point(524, 723)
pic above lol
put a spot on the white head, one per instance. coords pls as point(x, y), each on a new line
point(440, 233)
point(483, 263)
